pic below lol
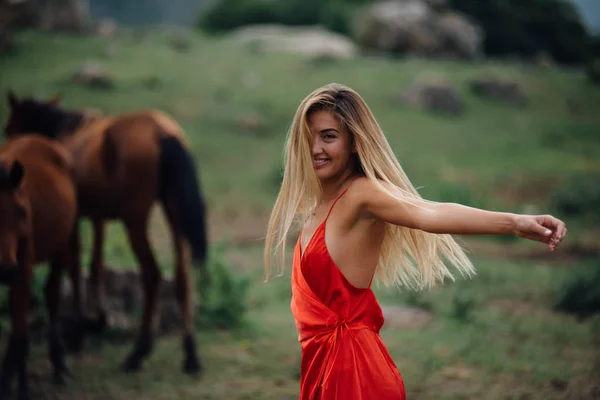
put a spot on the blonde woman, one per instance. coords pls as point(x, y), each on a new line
point(360, 217)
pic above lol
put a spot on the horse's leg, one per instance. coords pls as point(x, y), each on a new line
point(15, 358)
point(97, 275)
point(52, 295)
point(150, 276)
point(183, 280)
point(75, 331)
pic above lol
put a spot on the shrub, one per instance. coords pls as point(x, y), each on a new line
point(579, 294)
point(222, 295)
point(593, 71)
point(462, 308)
point(580, 197)
point(225, 15)
point(519, 27)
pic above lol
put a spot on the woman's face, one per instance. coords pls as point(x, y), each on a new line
point(332, 148)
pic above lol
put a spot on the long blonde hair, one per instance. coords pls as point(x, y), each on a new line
point(409, 257)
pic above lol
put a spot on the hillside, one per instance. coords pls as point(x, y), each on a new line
point(494, 337)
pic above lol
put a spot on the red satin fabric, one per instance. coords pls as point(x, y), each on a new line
point(343, 356)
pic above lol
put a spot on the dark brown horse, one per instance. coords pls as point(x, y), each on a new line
point(123, 164)
point(38, 220)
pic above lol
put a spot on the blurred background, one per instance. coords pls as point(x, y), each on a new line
point(489, 103)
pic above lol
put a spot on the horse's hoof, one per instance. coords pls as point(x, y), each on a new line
point(5, 388)
point(74, 340)
point(62, 376)
point(24, 393)
point(60, 379)
point(192, 366)
point(5, 393)
point(131, 365)
point(74, 346)
point(98, 325)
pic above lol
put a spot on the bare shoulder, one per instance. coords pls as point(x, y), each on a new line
point(363, 188)
point(360, 191)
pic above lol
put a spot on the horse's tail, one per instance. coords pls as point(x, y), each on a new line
point(179, 181)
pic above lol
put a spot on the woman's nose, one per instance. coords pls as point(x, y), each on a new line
point(317, 147)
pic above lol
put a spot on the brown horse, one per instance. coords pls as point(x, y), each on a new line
point(38, 219)
point(123, 164)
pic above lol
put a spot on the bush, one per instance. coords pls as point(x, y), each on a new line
point(222, 296)
point(579, 294)
point(579, 197)
point(593, 71)
point(462, 308)
point(230, 14)
point(528, 27)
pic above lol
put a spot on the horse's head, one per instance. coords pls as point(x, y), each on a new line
point(29, 115)
point(14, 219)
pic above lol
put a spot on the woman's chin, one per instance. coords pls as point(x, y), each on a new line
point(325, 175)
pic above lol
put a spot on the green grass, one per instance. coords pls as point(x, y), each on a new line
point(509, 345)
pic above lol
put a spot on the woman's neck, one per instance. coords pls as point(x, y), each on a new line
point(332, 188)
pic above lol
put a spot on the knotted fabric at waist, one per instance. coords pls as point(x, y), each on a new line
point(333, 326)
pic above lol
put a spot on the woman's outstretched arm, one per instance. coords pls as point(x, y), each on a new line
point(452, 218)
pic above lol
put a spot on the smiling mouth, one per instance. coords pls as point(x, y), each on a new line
point(320, 161)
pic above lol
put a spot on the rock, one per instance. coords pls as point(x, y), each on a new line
point(92, 75)
point(252, 123)
point(18, 14)
point(500, 89)
point(458, 36)
point(559, 384)
point(14, 15)
point(312, 41)
point(63, 15)
point(124, 301)
point(106, 27)
point(418, 27)
point(456, 372)
point(397, 317)
point(169, 309)
point(544, 60)
point(435, 95)
point(397, 27)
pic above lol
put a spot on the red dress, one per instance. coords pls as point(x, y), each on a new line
point(343, 356)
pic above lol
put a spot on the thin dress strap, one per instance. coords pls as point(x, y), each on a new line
point(322, 223)
point(335, 201)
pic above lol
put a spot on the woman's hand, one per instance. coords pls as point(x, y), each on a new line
point(542, 228)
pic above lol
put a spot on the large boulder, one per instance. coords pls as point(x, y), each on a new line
point(125, 299)
point(457, 36)
point(313, 41)
point(14, 14)
point(500, 89)
point(92, 75)
point(55, 15)
point(435, 95)
point(63, 15)
point(418, 27)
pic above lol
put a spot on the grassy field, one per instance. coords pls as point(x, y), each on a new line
point(493, 337)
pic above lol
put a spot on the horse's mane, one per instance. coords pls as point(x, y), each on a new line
point(52, 120)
